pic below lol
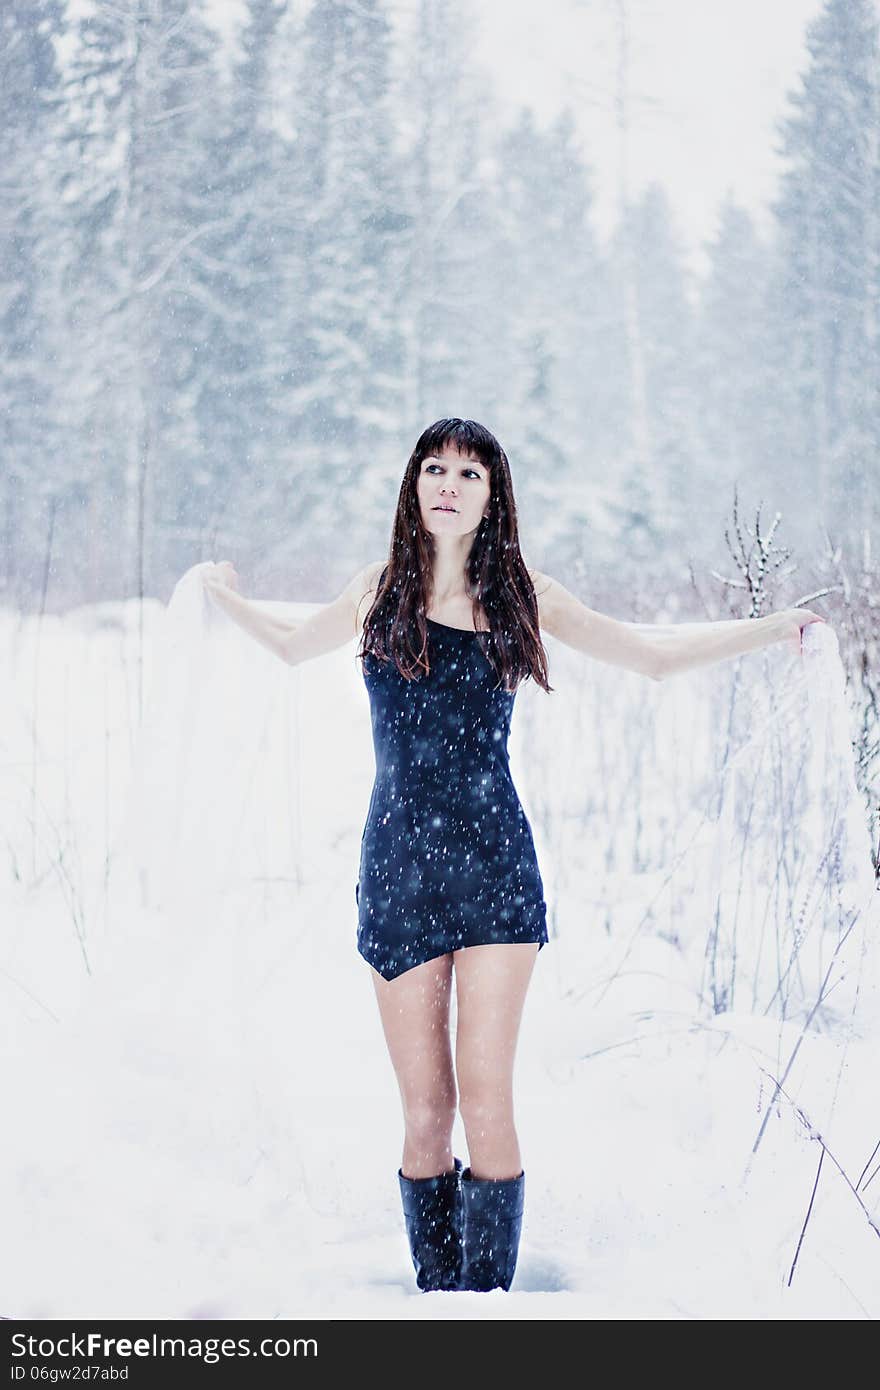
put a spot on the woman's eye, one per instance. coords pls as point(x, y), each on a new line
point(472, 471)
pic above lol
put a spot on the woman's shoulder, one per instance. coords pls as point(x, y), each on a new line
point(372, 573)
point(540, 582)
point(365, 585)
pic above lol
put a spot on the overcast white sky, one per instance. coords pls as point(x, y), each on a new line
point(708, 82)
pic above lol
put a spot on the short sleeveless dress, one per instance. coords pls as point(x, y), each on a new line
point(447, 855)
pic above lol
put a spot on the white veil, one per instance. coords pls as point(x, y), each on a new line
point(716, 813)
point(211, 758)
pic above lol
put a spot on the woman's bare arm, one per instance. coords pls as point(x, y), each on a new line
point(271, 631)
point(335, 623)
point(298, 640)
point(662, 649)
point(594, 634)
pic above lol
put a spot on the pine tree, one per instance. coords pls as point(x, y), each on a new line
point(141, 96)
point(829, 263)
point(31, 428)
point(659, 469)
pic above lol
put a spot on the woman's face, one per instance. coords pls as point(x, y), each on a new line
point(453, 491)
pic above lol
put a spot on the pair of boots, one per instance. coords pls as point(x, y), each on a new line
point(463, 1231)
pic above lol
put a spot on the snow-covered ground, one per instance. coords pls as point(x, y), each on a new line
point(202, 1120)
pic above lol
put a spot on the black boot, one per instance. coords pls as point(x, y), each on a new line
point(432, 1212)
point(493, 1209)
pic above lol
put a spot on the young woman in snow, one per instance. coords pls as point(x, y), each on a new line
point(449, 625)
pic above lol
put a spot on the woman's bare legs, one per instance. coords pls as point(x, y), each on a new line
point(491, 986)
point(414, 1009)
point(491, 983)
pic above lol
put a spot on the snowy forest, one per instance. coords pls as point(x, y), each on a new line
point(237, 284)
point(241, 270)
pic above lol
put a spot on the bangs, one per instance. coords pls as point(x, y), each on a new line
point(467, 436)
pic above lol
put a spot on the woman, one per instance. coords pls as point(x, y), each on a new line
point(450, 624)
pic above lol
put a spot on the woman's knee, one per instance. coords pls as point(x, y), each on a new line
point(484, 1083)
point(427, 1118)
point(485, 1109)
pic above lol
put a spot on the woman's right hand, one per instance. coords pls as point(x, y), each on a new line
point(221, 575)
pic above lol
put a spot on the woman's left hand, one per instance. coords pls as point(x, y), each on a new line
point(798, 619)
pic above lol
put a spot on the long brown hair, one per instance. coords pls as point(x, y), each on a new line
point(497, 580)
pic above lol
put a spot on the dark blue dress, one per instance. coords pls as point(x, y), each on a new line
point(447, 856)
